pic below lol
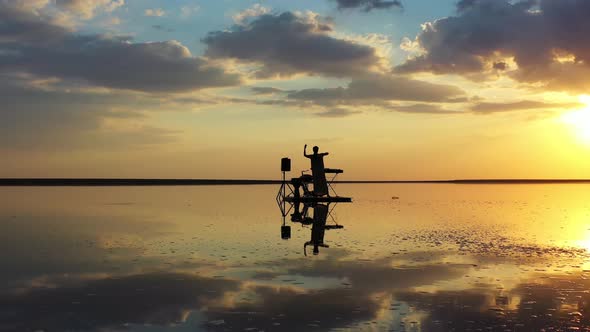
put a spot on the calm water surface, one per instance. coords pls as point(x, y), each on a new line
point(439, 258)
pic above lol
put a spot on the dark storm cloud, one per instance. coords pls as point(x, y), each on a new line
point(368, 5)
point(487, 108)
point(381, 88)
point(536, 35)
point(465, 4)
point(19, 23)
point(32, 44)
point(288, 44)
point(460, 44)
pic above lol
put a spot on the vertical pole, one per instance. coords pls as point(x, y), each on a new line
point(284, 194)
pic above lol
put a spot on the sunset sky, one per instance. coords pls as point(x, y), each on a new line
point(406, 90)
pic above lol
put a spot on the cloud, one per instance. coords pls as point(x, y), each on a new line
point(115, 63)
point(87, 9)
point(35, 45)
point(290, 43)
point(336, 113)
point(22, 23)
point(254, 11)
point(424, 109)
point(110, 22)
point(545, 39)
point(33, 118)
point(188, 11)
point(368, 5)
point(379, 88)
point(26, 5)
point(62, 90)
point(464, 43)
point(487, 108)
point(500, 65)
point(158, 12)
point(570, 77)
point(262, 90)
point(465, 4)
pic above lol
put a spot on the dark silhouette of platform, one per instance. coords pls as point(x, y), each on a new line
point(216, 182)
point(129, 182)
point(323, 199)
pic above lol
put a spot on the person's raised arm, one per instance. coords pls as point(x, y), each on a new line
point(305, 151)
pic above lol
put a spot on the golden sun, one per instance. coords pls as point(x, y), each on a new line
point(579, 120)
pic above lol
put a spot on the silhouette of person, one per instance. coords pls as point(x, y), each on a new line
point(320, 185)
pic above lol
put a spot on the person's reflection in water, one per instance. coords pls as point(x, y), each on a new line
point(318, 222)
point(297, 215)
point(320, 215)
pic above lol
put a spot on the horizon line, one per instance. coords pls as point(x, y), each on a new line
point(196, 182)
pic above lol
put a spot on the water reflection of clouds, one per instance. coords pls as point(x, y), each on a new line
point(32, 249)
point(370, 291)
point(158, 298)
point(372, 275)
point(557, 303)
point(561, 302)
point(187, 269)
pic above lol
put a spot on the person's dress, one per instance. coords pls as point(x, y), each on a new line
point(320, 185)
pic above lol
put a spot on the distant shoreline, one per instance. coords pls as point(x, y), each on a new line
point(215, 182)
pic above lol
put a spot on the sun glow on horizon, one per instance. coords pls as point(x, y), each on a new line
point(579, 120)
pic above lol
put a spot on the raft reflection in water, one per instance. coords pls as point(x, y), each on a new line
point(318, 222)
